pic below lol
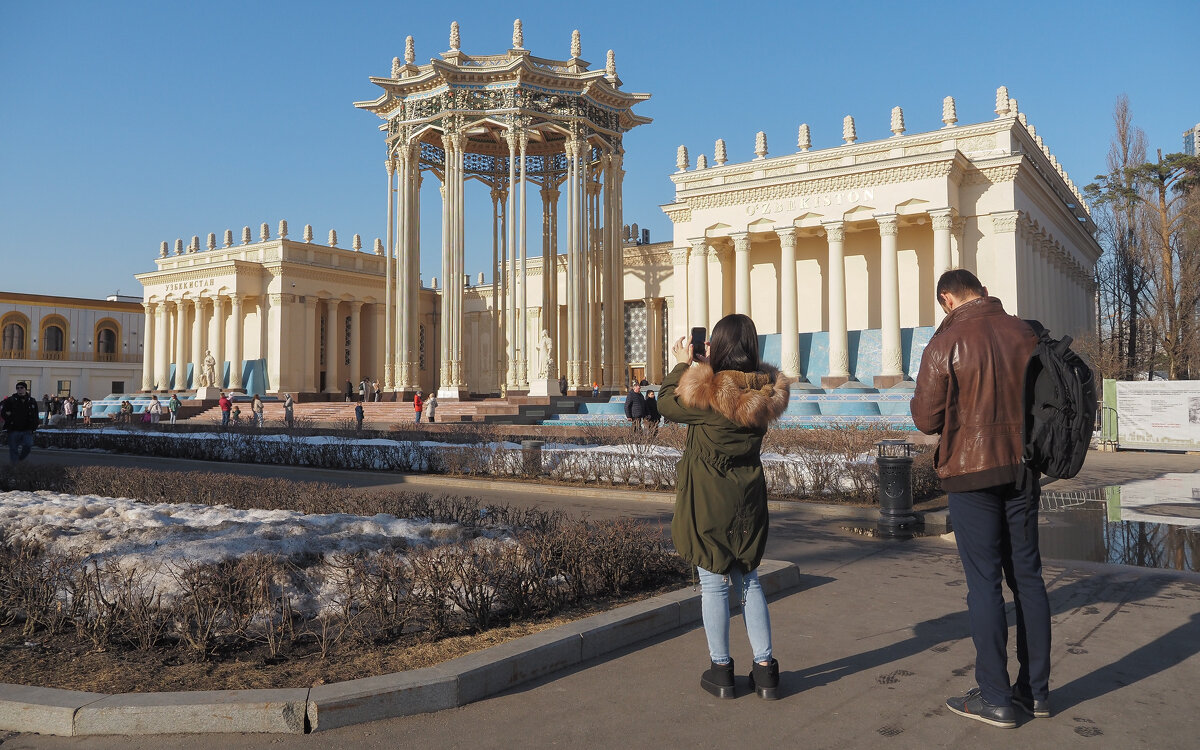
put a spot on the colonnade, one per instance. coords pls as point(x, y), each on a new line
point(589, 181)
point(692, 273)
point(182, 332)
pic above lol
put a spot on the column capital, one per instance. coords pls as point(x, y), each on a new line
point(943, 219)
point(149, 307)
point(389, 165)
point(787, 236)
point(679, 256)
point(889, 224)
point(835, 231)
point(311, 300)
point(699, 245)
point(741, 241)
point(959, 226)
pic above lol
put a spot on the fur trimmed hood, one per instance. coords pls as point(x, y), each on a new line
point(748, 399)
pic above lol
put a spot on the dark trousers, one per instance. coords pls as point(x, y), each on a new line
point(996, 545)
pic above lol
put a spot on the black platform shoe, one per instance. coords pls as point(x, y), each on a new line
point(718, 680)
point(764, 680)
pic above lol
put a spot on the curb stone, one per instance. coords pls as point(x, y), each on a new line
point(454, 683)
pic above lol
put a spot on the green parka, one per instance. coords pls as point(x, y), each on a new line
point(720, 493)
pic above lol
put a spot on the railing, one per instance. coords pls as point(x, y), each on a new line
point(69, 356)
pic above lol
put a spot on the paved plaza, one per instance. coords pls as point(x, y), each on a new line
point(869, 647)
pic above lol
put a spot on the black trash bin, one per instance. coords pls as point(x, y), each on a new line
point(896, 517)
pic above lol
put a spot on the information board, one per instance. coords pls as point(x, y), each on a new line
point(1159, 414)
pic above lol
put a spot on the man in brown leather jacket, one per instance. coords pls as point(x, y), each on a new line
point(970, 392)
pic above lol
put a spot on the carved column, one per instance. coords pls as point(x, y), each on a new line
point(216, 338)
point(512, 239)
point(679, 274)
point(577, 267)
point(181, 345)
point(235, 343)
point(147, 348)
point(331, 346)
point(615, 268)
point(789, 345)
point(499, 282)
point(355, 372)
point(741, 272)
point(891, 370)
point(550, 267)
point(651, 340)
point(197, 341)
point(389, 345)
point(412, 281)
point(312, 332)
point(943, 222)
point(839, 352)
point(699, 300)
point(162, 348)
point(522, 278)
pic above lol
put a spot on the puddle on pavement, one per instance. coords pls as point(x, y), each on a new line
point(1152, 523)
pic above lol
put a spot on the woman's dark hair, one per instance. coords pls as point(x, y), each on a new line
point(733, 344)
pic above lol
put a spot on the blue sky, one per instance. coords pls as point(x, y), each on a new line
point(124, 124)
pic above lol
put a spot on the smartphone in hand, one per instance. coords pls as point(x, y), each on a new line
point(699, 337)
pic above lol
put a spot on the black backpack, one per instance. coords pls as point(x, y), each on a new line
point(1060, 407)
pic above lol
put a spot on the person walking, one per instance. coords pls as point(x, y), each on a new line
point(635, 406)
point(362, 390)
point(358, 416)
point(256, 408)
point(349, 390)
point(562, 385)
point(289, 415)
point(46, 408)
point(652, 415)
point(417, 404)
point(173, 407)
point(20, 415)
point(431, 405)
point(376, 394)
point(85, 409)
point(970, 392)
point(155, 409)
point(727, 397)
point(226, 407)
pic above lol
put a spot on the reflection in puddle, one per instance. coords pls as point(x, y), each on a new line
point(1153, 523)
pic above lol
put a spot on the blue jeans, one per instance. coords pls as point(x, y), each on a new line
point(714, 600)
point(996, 545)
point(224, 418)
point(20, 442)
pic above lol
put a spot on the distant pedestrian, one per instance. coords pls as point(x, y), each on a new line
point(562, 385)
point(362, 390)
point(595, 389)
point(173, 407)
point(635, 406)
point(256, 408)
point(155, 409)
point(85, 408)
point(358, 416)
point(652, 415)
point(417, 405)
point(69, 410)
point(376, 394)
point(431, 404)
point(289, 417)
point(46, 409)
point(20, 415)
point(226, 405)
point(349, 390)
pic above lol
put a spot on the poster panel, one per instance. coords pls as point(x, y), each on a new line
point(1159, 414)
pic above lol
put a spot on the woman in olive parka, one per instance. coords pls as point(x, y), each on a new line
point(726, 396)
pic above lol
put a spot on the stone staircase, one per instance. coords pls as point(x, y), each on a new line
point(523, 410)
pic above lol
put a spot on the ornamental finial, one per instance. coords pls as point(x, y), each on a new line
point(610, 64)
point(179, 247)
point(245, 235)
point(212, 240)
point(949, 112)
point(1012, 108)
point(455, 40)
point(333, 238)
point(357, 243)
point(265, 231)
point(410, 50)
point(897, 121)
point(804, 138)
point(760, 145)
point(681, 159)
point(395, 67)
point(1001, 102)
point(576, 45)
point(719, 154)
point(194, 245)
point(701, 162)
point(849, 135)
point(308, 233)
point(228, 238)
point(378, 246)
point(162, 250)
point(283, 229)
point(518, 35)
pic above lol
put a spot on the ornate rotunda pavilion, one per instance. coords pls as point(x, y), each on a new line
point(517, 123)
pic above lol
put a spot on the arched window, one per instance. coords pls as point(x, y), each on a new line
point(106, 343)
point(53, 341)
point(14, 340)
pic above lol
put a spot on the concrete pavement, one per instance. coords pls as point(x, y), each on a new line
point(870, 646)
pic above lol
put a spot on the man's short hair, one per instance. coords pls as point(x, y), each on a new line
point(961, 283)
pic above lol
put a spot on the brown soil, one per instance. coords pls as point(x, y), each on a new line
point(63, 662)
